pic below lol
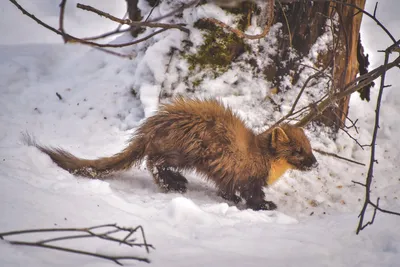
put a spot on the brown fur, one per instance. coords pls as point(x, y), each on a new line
point(205, 136)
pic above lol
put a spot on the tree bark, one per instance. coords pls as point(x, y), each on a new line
point(134, 14)
point(346, 64)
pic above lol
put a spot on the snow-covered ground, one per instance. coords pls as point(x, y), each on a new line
point(317, 211)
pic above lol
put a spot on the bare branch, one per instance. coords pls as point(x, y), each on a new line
point(61, 20)
point(337, 156)
point(358, 183)
point(109, 230)
point(132, 23)
point(108, 34)
point(35, 18)
point(376, 206)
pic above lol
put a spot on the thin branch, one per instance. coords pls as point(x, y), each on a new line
point(376, 206)
point(152, 9)
point(61, 20)
point(115, 259)
point(358, 183)
point(353, 138)
point(109, 230)
point(35, 18)
point(130, 22)
point(375, 9)
point(114, 53)
point(105, 35)
point(108, 34)
point(337, 156)
point(362, 227)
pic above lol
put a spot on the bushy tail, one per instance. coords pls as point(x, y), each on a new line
point(97, 168)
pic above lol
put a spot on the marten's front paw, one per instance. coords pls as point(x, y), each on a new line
point(269, 205)
point(264, 205)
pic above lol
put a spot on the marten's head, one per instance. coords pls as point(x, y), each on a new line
point(289, 143)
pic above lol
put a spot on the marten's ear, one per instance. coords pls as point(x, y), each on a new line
point(278, 135)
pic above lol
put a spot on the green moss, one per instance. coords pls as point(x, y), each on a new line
point(197, 82)
point(219, 49)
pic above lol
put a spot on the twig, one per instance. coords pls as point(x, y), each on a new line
point(130, 22)
point(108, 34)
point(152, 9)
point(59, 96)
point(105, 35)
point(361, 227)
point(35, 18)
point(358, 183)
point(353, 138)
point(376, 206)
point(61, 20)
point(109, 230)
point(114, 53)
point(115, 259)
point(337, 156)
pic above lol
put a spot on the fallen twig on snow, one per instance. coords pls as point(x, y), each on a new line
point(88, 232)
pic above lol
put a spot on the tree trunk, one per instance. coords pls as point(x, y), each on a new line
point(134, 14)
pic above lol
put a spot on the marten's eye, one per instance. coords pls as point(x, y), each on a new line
point(298, 151)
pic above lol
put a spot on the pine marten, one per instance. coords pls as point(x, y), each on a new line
point(205, 136)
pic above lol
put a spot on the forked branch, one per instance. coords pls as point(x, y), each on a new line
point(107, 232)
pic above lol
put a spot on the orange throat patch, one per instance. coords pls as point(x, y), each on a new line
point(278, 168)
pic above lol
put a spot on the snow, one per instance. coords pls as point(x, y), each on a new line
point(317, 211)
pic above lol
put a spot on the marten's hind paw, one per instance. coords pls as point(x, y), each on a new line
point(172, 181)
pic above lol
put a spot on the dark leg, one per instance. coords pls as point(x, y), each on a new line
point(251, 191)
point(227, 190)
point(167, 179)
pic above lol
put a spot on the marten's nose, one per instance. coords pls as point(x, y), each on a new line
point(314, 162)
